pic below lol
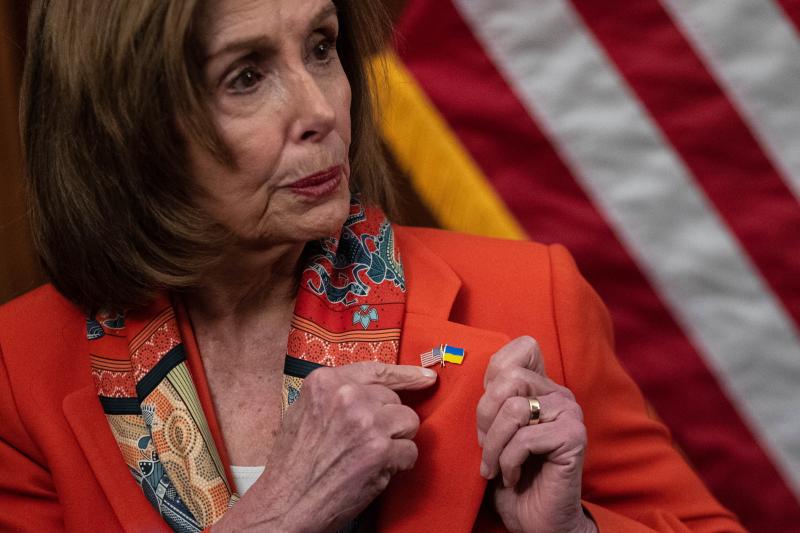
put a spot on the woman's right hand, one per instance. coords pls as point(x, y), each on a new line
point(339, 446)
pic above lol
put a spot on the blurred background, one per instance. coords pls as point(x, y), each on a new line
point(659, 140)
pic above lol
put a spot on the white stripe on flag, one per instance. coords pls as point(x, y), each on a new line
point(626, 166)
point(754, 52)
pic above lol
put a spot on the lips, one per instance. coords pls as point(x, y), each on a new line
point(318, 184)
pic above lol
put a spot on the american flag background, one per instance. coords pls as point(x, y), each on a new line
point(659, 140)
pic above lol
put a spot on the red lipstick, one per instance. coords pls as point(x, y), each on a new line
point(318, 184)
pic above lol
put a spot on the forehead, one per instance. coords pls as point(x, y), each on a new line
point(223, 20)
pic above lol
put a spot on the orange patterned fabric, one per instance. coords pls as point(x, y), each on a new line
point(349, 307)
point(155, 416)
point(350, 302)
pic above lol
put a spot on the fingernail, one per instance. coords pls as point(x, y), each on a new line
point(480, 438)
point(484, 470)
point(506, 483)
point(428, 373)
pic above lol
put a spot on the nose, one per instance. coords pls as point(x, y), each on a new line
point(314, 116)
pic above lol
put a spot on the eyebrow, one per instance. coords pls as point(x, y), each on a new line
point(263, 42)
point(323, 13)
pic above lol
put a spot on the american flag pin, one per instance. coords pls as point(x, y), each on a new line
point(441, 354)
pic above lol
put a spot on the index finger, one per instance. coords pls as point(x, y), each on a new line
point(522, 352)
point(395, 377)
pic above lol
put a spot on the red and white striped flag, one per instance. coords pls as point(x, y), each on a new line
point(659, 140)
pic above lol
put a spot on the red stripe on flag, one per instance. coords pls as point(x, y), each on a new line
point(792, 10)
point(708, 133)
point(536, 186)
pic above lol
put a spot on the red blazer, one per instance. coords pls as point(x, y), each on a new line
point(60, 467)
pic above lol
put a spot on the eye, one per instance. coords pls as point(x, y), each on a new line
point(324, 50)
point(246, 80)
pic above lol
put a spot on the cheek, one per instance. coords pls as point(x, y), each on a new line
point(255, 142)
point(235, 196)
point(343, 102)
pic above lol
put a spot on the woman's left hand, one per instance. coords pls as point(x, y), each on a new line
point(540, 466)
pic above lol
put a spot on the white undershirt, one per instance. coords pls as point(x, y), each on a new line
point(245, 476)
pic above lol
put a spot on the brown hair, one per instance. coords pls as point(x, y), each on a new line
point(104, 87)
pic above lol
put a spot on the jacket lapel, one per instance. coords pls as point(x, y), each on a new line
point(88, 422)
point(449, 455)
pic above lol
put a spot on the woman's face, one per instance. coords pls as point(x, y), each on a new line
point(281, 102)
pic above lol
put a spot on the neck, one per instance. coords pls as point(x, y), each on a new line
point(248, 286)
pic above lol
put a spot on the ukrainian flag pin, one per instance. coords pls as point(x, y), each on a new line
point(444, 353)
point(452, 354)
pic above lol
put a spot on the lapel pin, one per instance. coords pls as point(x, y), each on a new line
point(444, 353)
point(452, 354)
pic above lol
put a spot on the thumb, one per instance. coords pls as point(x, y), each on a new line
point(395, 377)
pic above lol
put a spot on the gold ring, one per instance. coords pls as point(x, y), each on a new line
point(536, 411)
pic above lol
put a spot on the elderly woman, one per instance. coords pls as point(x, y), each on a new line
point(206, 193)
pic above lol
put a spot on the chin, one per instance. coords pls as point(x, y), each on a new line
point(296, 219)
point(328, 223)
point(323, 219)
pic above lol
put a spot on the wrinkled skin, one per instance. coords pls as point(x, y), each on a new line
point(537, 468)
point(339, 446)
point(280, 100)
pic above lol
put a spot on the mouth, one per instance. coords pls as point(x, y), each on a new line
point(319, 183)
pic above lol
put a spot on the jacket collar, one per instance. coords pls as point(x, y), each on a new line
point(432, 284)
point(88, 422)
point(449, 455)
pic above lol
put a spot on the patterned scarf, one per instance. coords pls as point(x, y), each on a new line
point(349, 308)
